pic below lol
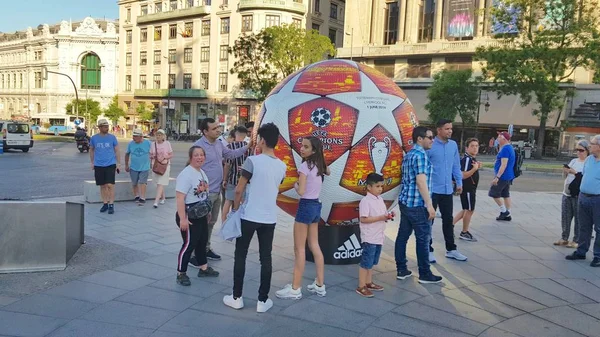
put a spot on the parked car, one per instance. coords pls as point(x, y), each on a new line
point(16, 135)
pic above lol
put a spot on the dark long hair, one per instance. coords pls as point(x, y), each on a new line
point(317, 158)
point(191, 153)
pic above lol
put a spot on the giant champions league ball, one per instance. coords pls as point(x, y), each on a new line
point(364, 120)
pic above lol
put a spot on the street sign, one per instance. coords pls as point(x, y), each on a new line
point(77, 121)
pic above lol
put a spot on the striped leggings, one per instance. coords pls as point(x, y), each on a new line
point(568, 212)
point(195, 237)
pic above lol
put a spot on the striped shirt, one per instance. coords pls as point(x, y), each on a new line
point(235, 164)
point(415, 162)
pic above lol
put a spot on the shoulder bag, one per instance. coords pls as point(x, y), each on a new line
point(158, 167)
point(201, 208)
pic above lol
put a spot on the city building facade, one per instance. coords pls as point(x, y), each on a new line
point(86, 51)
point(174, 54)
point(411, 40)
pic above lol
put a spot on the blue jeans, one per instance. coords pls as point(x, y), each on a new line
point(589, 215)
point(417, 219)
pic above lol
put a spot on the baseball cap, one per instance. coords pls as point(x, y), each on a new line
point(137, 132)
point(102, 122)
point(161, 131)
point(506, 135)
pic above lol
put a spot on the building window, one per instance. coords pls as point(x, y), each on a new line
point(172, 31)
point(127, 82)
point(459, 63)
point(187, 55)
point(426, 19)
point(224, 53)
point(143, 34)
point(223, 82)
point(128, 36)
point(144, 10)
point(190, 3)
point(188, 30)
point(38, 80)
point(128, 15)
point(158, 7)
point(143, 58)
point(157, 33)
point(419, 68)
point(187, 81)
point(205, 28)
point(171, 81)
point(224, 25)
point(297, 22)
point(128, 59)
point(90, 72)
point(21, 81)
point(38, 55)
point(204, 81)
point(157, 56)
point(272, 20)
point(332, 35)
point(172, 54)
point(247, 23)
point(156, 81)
point(142, 81)
point(317, 6)
point(204, 54)
point(172, 5)
point(206, 2)
point(386, 67)
point(333, 11)
point(392, 15)
point(225, 2)
point(316, 27)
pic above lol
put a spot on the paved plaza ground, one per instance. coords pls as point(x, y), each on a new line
point(122, 283)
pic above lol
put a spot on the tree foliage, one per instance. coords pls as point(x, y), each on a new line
point(114, 111)
point(145, 111)
point(554, 38)
point(93, 109)
point(265, 58)
point(453, 93)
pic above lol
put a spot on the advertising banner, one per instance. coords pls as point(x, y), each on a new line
point(505, 26)
point(460, 18)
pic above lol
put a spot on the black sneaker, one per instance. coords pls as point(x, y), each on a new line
point(429, 278)
point(111, 209)
point(141, 202)
point(401, 275)
point(194, 262)
point(504, 216)
point(595, 262)
point(104, 208)
point(136, 199)
point(209, 272)
point(575, 256)
point(183, 279)
point(212, 255)
point(467, 236)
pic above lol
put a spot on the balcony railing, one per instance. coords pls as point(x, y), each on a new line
point(285, 5)
point(175, 14)
point(151, 92)
point(429, 48)
point(175, 93)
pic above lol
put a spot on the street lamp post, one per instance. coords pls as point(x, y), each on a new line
point(486, 108)
point(72, 82)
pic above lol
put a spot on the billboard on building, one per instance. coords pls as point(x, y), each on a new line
point(460, 18)
point(555, 14)
point(501, 26)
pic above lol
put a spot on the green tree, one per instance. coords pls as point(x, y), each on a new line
point(87, 108)
point(554, 38)
point(454, 93)
point(145, 111)
point(114, 112)
point(265, 58)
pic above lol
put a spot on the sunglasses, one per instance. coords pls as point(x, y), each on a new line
point(430, 137)
point(580, 150)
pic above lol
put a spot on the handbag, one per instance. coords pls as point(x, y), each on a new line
point(158, 167)
point(199, 210)
point(575, 185)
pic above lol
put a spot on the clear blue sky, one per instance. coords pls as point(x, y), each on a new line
point(18, 14)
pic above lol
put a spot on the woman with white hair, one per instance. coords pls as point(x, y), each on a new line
point(162, 152)
point(570, 198)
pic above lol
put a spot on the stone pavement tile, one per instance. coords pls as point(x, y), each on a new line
point(160, 298)
point(160, 333)
point(345, 298)
point(465, 271)
point(378, 332)
point(18, 324)
point(280, 279)
point(488, 304)
point(510, 298)
point(118, 280)
point(499, 269)
point(548, 253)
point(142, 237)
point(515, 253)
point(571, 270)
point(483, 251)
point(80, 328)
point(594, 281)
point(195, 323)
point(284, 326)
point(109, 235)
point(530, 326)
point(552, 287)
point(583, 287)
point(86, 291)
point(323, 313)
point(331, 276)
point(393, 293)
point(117, 241)
point(145, 245)
point(170, 248)
point(51, 306)
point(200, 287)
point(533, 268)
point(130, 314)
point(439, 302)
point(250, 291)
point(6, 300)
point(415, 327)
point(214, 304)
point(592, 309)
point(572, 319)
point(147, 270)
point(442, 318)
point(169, 239)
point(168, 260)
point(494, 332)
point(409, 284)
point(531, 293)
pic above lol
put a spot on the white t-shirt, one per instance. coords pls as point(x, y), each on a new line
point(193, 183)
point(267, 174)
point(576, 165)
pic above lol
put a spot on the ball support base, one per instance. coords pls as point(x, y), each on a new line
point(340, 245)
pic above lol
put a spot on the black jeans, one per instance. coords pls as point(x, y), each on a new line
point(195, 237)
point(446, 205)
point(265, 234)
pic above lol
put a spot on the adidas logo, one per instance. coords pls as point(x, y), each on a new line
point(349, 250)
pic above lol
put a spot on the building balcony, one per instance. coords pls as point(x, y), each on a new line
point(151, 92)
point(174, 93)
point(284, 5)
point(174, 15)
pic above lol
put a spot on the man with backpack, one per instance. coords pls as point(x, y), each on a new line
point(504, 169)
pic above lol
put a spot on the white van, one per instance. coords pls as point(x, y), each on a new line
point(16, 135)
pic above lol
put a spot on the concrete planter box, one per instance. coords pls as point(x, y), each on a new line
point(123, 191)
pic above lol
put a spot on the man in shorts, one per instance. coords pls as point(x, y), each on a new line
point(106, 160)
point(504, 175)
point(233, 168)
point(137, 163)
point(470, 174)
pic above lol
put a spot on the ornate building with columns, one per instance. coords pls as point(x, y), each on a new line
point(86, 50)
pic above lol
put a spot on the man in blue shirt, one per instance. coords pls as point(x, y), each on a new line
point(138, 151)
point(445, 158)
point(504, 175)
point(589, 205)
point(105, 157)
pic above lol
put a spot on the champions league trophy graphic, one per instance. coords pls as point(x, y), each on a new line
point(379, 152)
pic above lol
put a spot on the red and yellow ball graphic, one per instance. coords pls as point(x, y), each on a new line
point(364, 120)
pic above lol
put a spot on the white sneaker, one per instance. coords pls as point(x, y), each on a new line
point(264, 306)
point(289, 293)
point(162, 202)
point(432, 258)
point(315, 289)
point(455, 254)
point(231, 302)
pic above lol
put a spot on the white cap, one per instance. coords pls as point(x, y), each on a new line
point(102, 122)
point(137, 132)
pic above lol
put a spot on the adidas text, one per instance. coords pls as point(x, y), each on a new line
point(349, 250)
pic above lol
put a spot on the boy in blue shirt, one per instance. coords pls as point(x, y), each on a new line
point(504, 175)
point(106, 160)
point(138, 151)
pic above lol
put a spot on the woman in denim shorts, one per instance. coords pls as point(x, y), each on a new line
point(306, 226)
